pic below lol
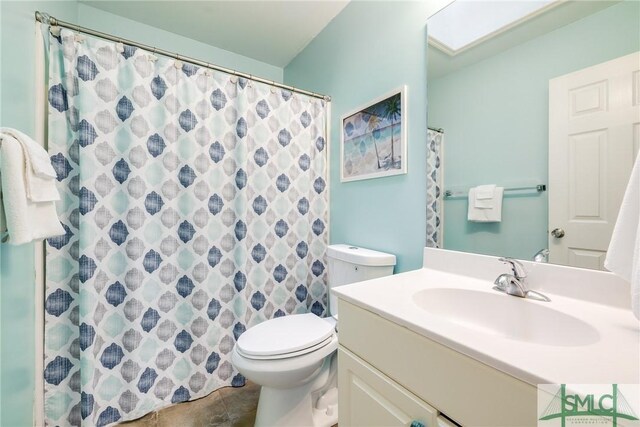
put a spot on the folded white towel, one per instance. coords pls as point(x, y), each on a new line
point(39, 175)
point(37, 156)
point(623, 256)
point(485, 209)
point(484, 196)
point(485, 191)
point(27, 219)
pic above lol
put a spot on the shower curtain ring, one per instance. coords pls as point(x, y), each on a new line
point(119, 45)
point(44, 18)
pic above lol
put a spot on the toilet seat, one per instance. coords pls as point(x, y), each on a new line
point(287, 355)
point(285, 337)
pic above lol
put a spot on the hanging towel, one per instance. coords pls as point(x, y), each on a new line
point(484, 196)
point(485, 203)
point(623, 256)
point(28, 189)
point(39, 175)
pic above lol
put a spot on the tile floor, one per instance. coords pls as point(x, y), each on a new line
point(226, 407)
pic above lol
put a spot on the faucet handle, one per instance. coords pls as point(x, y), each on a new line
point(516, 266)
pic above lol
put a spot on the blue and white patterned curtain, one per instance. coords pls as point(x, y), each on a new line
point(194, 205)
point(434, 188)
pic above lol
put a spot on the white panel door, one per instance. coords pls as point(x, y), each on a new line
point(594, 136)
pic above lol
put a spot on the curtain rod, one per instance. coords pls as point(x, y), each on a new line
point(440, 130)
point(50, 20)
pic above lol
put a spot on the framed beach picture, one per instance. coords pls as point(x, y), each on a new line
point(373, 141)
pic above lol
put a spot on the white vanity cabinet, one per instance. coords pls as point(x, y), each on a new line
point(369, 398)
point(389, 375)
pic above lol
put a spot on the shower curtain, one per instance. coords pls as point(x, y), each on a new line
point(195, 206)
point(434, 188)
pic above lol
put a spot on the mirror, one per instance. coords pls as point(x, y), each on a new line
point(541, 99)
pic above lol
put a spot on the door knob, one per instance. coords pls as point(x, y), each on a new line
point(558, 233)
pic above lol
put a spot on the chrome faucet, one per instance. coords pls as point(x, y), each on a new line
point(514, 284)
point(541, 256)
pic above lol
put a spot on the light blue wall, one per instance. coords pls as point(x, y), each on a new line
point(495, 116)
point(106, 22)
point(367, 50)
point(17, 106)
point(17, 329)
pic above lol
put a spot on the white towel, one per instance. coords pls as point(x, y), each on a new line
point(39, 174)
point(623, 256)
point(27, 219)
point(483, 208)
point(484, 196)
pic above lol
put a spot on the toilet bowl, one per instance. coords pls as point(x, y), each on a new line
point(294, 358)
point(294, 369)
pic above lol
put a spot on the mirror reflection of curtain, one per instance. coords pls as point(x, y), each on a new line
point(435, 139)
point(194, 206)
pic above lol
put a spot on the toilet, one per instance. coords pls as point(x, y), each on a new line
point(294, 358)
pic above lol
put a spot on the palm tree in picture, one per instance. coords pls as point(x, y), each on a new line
point(392, 111)
point(374, 121)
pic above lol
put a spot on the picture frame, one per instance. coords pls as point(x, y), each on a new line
point(373, 138)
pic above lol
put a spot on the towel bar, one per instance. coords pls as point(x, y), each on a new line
point(461, 193)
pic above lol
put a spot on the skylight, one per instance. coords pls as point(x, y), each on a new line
point(465, 23)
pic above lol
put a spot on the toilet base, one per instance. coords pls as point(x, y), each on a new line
point(314, 404)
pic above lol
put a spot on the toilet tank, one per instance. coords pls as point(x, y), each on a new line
point(351, 264)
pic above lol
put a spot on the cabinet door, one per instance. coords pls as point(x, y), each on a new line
point(368, 398)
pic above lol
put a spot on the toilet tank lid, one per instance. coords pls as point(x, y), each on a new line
point(360, 256)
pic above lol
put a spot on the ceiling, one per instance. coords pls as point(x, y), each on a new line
point(564, 13)
point(271, 31)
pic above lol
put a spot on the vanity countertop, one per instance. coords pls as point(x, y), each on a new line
point(603, 348)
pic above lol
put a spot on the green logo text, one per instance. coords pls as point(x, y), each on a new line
point(611, 406)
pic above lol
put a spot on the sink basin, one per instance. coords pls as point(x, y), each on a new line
point(507, 316)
